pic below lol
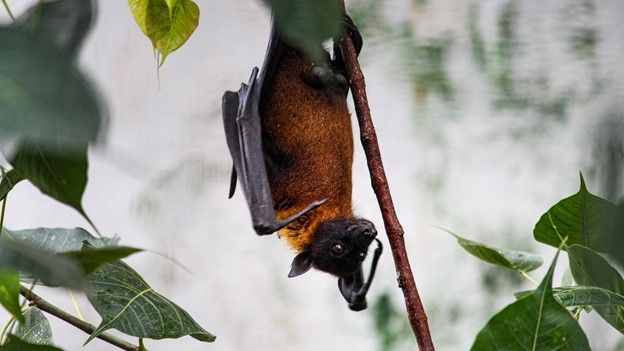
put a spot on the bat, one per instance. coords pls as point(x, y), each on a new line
point(289, 134)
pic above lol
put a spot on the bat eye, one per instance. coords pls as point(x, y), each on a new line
point(362, 256)
point(338, 250)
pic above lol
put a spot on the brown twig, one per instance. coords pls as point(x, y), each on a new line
point(80, 324)
point(368, 137)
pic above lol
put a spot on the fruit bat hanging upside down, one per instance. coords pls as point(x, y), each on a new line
point(289, 134)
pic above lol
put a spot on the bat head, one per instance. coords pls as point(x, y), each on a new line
point(339, 247)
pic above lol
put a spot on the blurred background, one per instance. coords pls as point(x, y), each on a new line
point(485, 111)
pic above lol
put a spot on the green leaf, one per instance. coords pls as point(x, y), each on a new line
point(589, 268)
point(307, 24)
point(571, 296)
point(89, 259)
point(167, 23)
point(15, 344)
point(44, 99)
point(51, 269)
point(56, 172)
point(536, 322)
point(36, 328)
point(10, 179)
point(10, 292)
point(514, 260)
point(63, 23)
point(586, 220)
point(77, 244)
point(58, 240)
point(127, 303)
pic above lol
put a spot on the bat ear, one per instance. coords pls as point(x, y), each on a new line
point(300, 264)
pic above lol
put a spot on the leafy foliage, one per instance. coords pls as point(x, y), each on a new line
point(16, 344)
point(307, 24)
point(584, 219)
point(44, 99)
point(571, 296)
point(589, 268)
point(535, 322)
point(35, 329)
point(167, 23)
point(127, 303)
point(8, 181)
point(62, 177)
point(514, 260)
point(9, 293)
point(51, 269)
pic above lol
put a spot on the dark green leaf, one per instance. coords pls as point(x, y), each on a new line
point(128, 304)
point(51, 269)
point(589, 268)
point(89, 259)
point(44, 99)
point(10, 179)
point(57, 173)
point(167, 23)
point(36, 329)
point(76, 244)
point(64, 23)
point(307, 24)
point(570, 296)
point(586, 220)
point(535, 322)
point(514, 260)
point(9, 292)
point(15, 344)
point(58, 240)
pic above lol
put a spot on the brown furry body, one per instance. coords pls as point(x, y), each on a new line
point(308, 141)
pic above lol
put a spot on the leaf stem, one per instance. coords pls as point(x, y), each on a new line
point(5, 328)
point(8, 9)
point(76, 322)
point(75, 303)
point(527, 276)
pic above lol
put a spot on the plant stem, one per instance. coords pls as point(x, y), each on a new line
point(82, 325)
point(76, 306)
point(415, 310)
point(6, 328)
point(8, 9)
point(526, 275)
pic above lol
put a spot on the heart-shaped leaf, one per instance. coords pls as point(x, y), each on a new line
point(15, 344)
point(586, 220)
point(535, 322)
point(127, 303)
point(56, 172)
point(589, 268)
point(9, 293)
point(35, 329)
point(571, 296)
point(167, 23)
point(307, 24)
point(515, 260)
point(44, 99)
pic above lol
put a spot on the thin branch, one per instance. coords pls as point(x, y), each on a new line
point(76, 322)
point(405, 277)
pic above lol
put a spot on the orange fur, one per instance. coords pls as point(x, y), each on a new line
point(310, 130)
